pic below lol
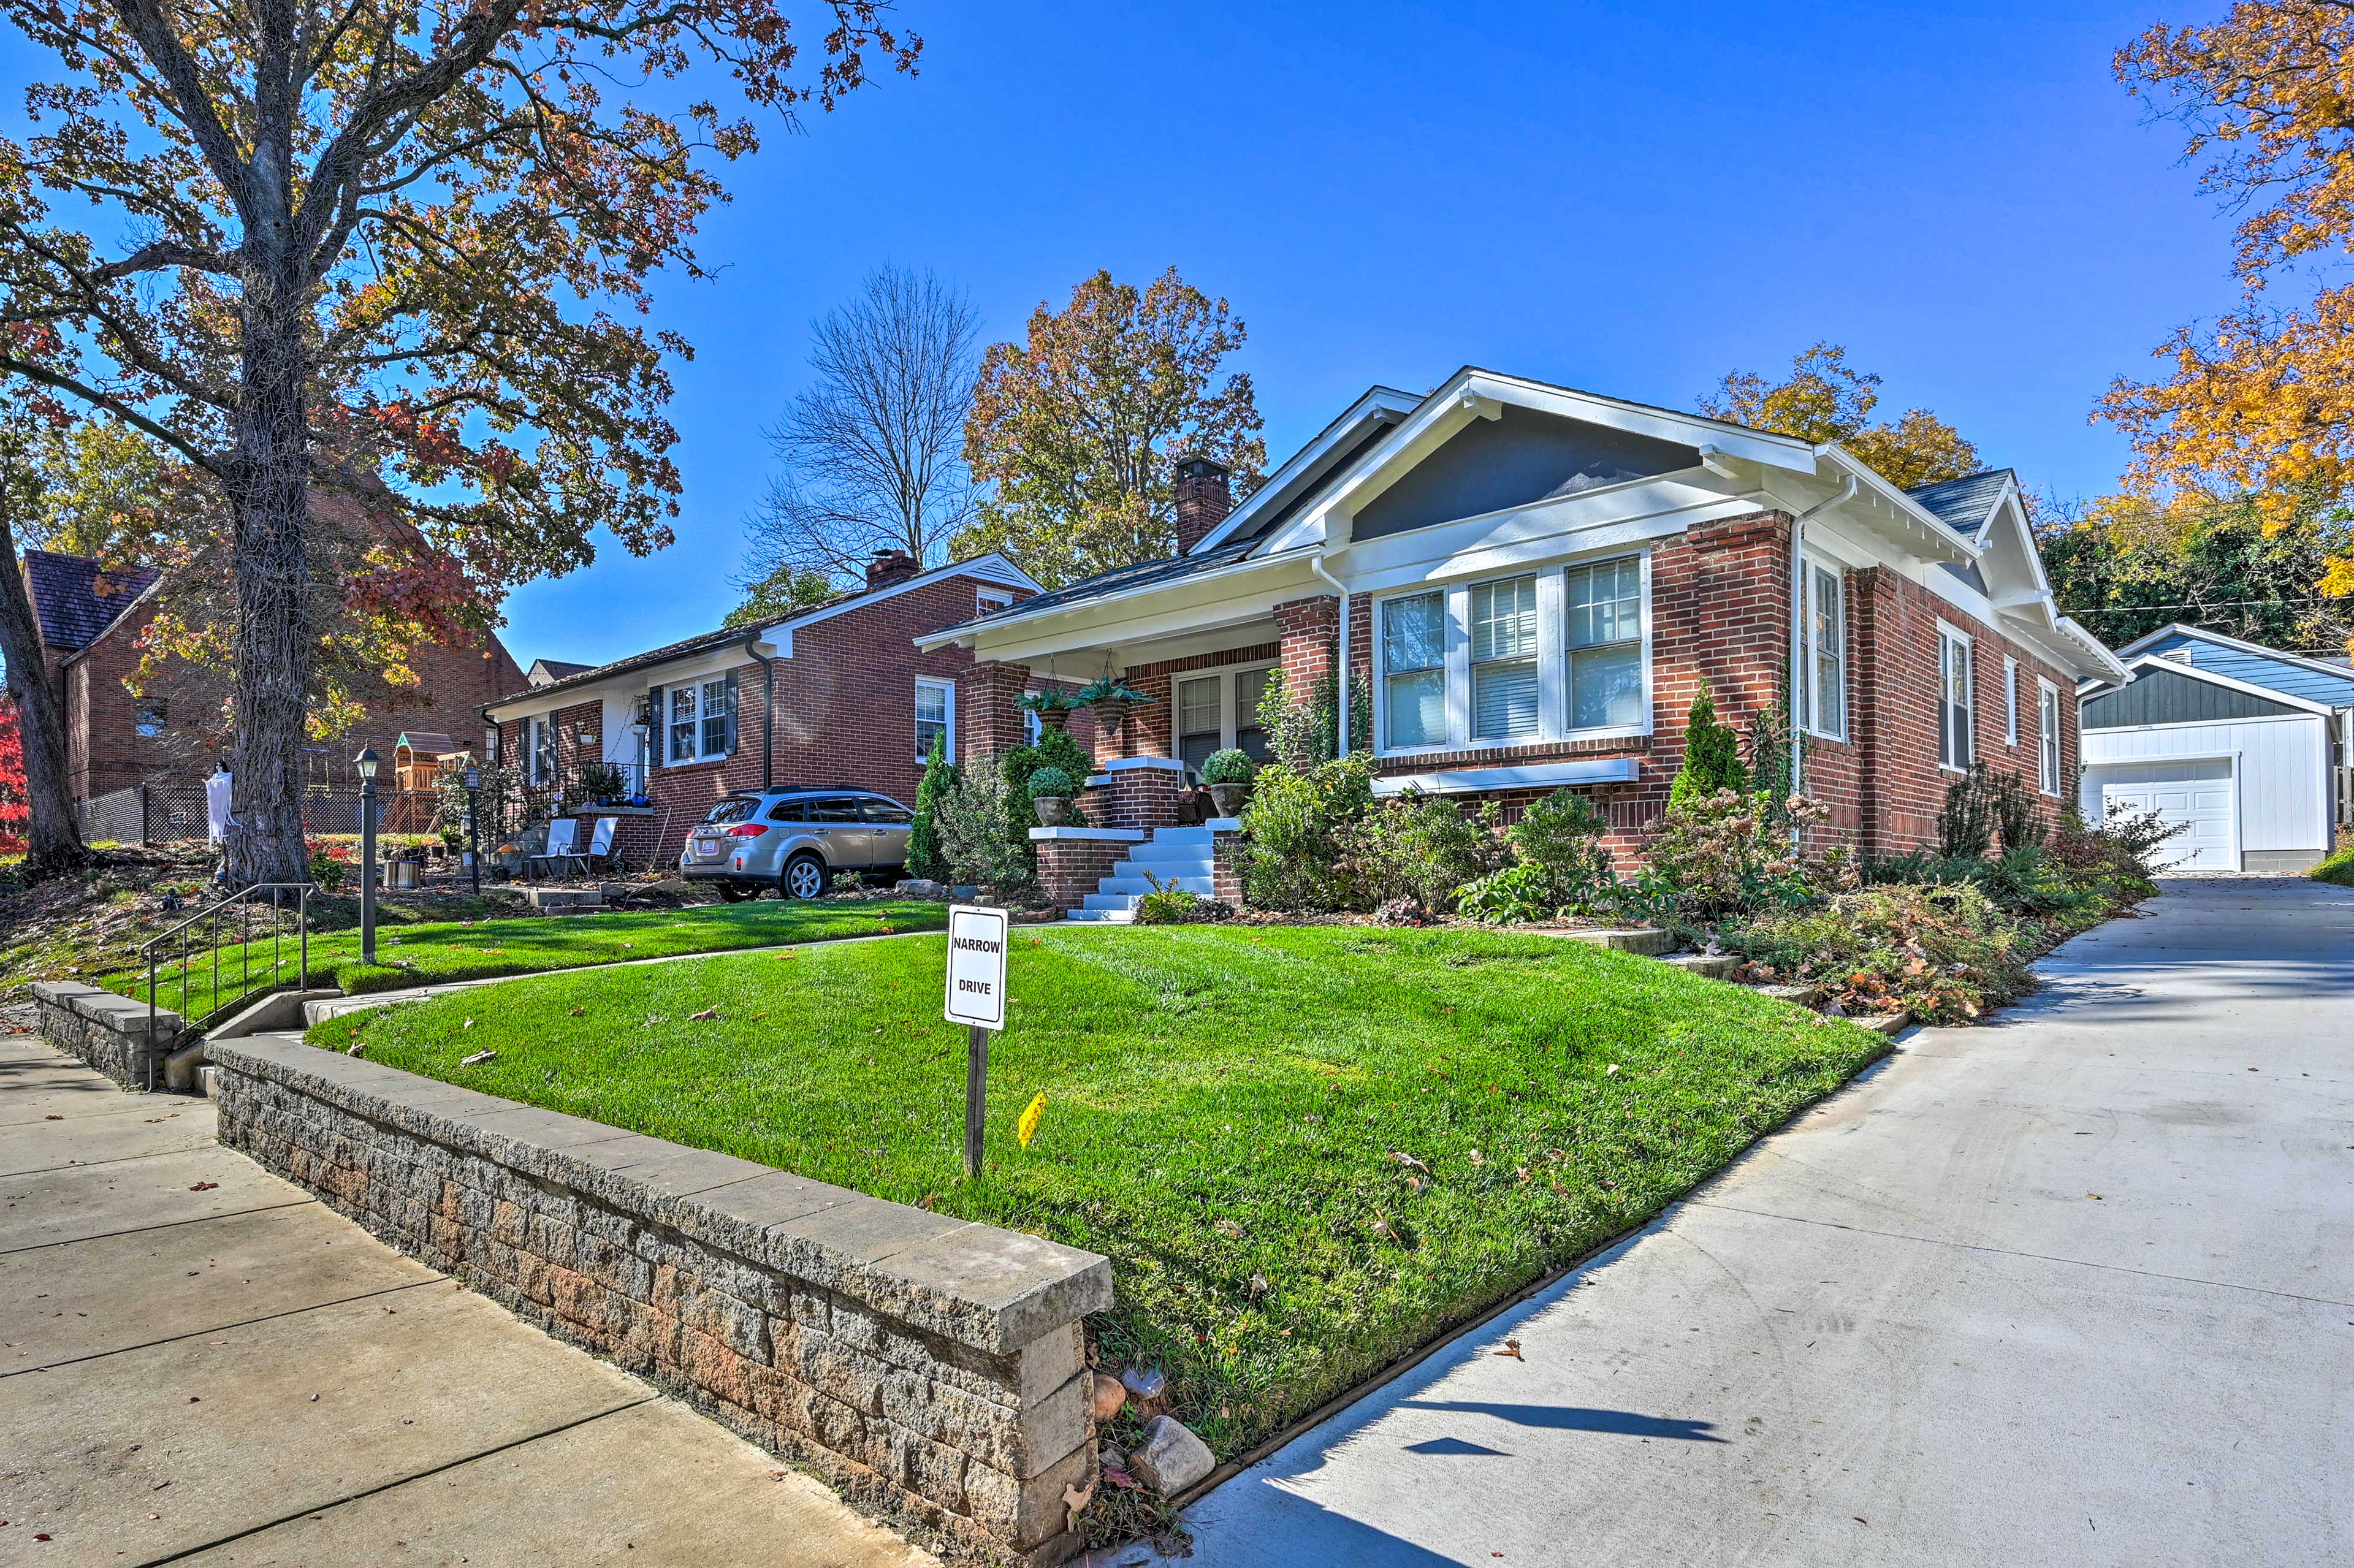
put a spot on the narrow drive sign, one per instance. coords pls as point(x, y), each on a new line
point(977, 966)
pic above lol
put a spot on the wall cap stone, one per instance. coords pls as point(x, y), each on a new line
point(1095, 835)
point(993, 1291)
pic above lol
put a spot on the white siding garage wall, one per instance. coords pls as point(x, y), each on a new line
point(2280, 777)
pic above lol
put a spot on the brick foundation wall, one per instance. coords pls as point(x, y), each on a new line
point(1144, 797)
point(932, 1368)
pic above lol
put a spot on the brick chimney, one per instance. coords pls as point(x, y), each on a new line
point(1202, 498)
point(889, 566)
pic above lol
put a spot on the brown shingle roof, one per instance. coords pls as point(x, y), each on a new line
point(76, 598)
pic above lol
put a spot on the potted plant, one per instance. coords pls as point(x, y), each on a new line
point(1112, 698)
point(600, 782)
point(1228, 774)
point(1051, 789)
point(1053, 707)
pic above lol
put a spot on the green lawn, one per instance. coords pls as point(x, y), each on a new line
point(429, 953)
point(1306, 1150)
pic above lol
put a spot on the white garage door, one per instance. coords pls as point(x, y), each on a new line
point(2198, 793)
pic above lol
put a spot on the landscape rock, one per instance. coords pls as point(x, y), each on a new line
point(1171, 1457)
point(1107, 1394)
point(920, 887)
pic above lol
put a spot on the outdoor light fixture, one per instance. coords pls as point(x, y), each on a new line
point(366, 762)
point(474, 834)
point(474, 777)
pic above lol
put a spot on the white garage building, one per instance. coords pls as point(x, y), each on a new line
point(2243, 743)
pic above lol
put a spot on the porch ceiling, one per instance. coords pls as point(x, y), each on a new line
point(1081, 660)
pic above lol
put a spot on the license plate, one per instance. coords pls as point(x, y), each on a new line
point(707, 848)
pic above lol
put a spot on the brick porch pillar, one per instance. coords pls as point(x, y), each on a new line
point(1309, 631)
point(988, 722)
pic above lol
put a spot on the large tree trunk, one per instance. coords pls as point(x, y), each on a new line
point(268, 495)
point(53, 843)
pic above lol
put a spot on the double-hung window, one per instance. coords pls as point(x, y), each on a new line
point(1504, 659)
point(543, 750)
point(935, 719)
point(1605, 644)
point(1955, 745)
point(149, 724)
point(2047, 750)
point(700, 716)
point(1826, 663)
point(1413, 671)
point(1200, 719)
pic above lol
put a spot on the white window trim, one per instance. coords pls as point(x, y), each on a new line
point(2009, 700)
point(948, 710)
point(1958, 638)
point(2047, 700)
point(1229, 678)
point(987, 601)
point(701, 686)
point(1553, 658)
point(533, 728)
point(1813, 705)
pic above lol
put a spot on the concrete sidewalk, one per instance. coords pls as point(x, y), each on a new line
point(2075, 1287)
point(200, 1364)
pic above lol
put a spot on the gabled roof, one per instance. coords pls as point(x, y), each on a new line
point(992, 567)
point(75, 598)
point(546, 672)
point(1966, 503)
point(2342, 670)
point(1120, 579)
point(2157, 665)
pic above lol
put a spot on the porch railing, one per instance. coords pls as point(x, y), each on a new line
point(190, 952)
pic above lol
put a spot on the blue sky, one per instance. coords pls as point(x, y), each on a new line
point(1620, 197)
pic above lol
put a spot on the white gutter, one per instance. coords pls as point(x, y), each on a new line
point(1799, 629)
point(1341, 744)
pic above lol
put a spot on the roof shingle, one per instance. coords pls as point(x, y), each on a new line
point(75, 598)
point(1963, 504)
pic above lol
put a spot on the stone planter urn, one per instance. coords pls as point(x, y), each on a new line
point(1230, 798)
point(1053, 811)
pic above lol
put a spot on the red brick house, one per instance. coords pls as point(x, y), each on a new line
point(834, 695)
point(1525, 584)
point(171, 735)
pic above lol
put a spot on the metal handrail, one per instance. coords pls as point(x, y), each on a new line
point(244, 901)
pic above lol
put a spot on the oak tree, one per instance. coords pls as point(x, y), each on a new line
point(1825, 399)
point(1078, 425)
point(2262, 401)
point(384, 254)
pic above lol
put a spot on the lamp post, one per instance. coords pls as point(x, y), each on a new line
point(473, 836)
point(365, 762)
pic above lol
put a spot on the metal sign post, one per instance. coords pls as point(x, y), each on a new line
point(976, 998)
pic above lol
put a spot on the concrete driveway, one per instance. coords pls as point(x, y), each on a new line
point(2077, 1286)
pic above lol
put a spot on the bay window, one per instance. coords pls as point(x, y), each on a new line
point(1414, 669)
point(1540, 655)
point(1824, 667)
point(1504, 659)
point(1955, 744)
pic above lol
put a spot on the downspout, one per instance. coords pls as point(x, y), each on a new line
point(1316, 561)
point(767, 710)
point(1799, 629)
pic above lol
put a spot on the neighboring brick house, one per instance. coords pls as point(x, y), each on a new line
point(1534, 580)
point(92, 619)
point(835, 695)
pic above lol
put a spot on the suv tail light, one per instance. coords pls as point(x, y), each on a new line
point(747, 830)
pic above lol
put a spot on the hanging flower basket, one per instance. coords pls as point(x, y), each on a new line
point(1113, 700)
point(1053, 708)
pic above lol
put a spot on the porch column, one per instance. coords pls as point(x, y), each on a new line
point(988, 721)
point(1309, 630)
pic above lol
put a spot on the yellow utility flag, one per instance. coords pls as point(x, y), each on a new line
point(1028, 1127)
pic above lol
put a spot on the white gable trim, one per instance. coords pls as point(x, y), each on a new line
point(1386, 403)
point(2247, 688)
point(992, 567)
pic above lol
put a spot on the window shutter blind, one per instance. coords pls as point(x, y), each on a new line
point(657, 728)
point(731, 712)
point(1504, 700)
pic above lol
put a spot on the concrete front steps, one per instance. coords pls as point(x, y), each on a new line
point(1173, 857)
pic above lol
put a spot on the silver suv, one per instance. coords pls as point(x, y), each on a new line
point(795, 840)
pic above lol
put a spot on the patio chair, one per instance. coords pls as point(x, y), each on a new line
point(600, 846)
point(559, 851)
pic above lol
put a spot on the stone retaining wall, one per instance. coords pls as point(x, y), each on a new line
point(108, 1031)
point(932, 1368)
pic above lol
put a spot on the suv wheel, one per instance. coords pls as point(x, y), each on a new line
point(803, 876)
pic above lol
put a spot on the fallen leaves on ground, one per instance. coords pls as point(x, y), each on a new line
point(1512, 1348)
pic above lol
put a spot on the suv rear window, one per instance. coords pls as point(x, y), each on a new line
point(734, 808)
